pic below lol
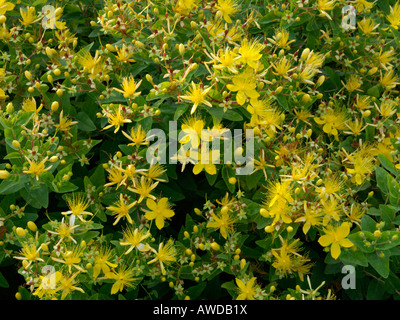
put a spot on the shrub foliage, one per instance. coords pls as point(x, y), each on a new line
point(85, 215)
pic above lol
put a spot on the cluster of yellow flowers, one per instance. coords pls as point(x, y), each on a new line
point(80, 92)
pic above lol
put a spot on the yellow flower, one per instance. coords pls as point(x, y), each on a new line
point(367, 25)
point(222, 222)
point(67, 284)
point(282, 67)
point(246, 290)
point(64, 231)
point(332, 121)
point(77, 204)
point(250, 53)
point(226, 8)
point(116, 119)
point(29, 105)
point(37, 168)
point(287, 259)
point(385, 58)
point(332, 185)
point(387, 108)
point(281, 38)
point(64, 123)
point(245, 86)
point(159, 211)
point(48, 285)
point(394, 16)
point(72, 258)
point(124, 277)
point(144, 188)
point(363, 102)
point(91, 65)
point(389, 80)
point(30, 253)
point(197, 95)
point(279, 191)
point(115, 176)
point(312, 217)
point(124, 55)
point(363, 164)
point(6, 6)
point(134, 239)
point(331, 210)
point(356, 213)
point(192, 127)
point(353, 83)
point(184, 7)
point(356, 126)
point(207, 164)
point(129, 87)
point(52, 22)
point(363, 5)
point(226, 59)
point(2, 94)
point(326, 5)
point(280, 211)
point(155, 171)
point(165, 255)
point(137, 136)
point(336, 237)
point(28, 15)
point(121, 210)
point(102, 263)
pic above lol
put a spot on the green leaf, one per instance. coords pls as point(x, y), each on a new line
point(282, 100)
point(195, 291)
point(24, 118)
point(388, 240)
point(230, 287)
point(361, 240)
point(228, 172)
point(376, 290)
point(84, 122)
point(374, 91)
point(3, 282)
point(381, 265)
point(387, 214)
point(368, 224)
point(387, 164)
point(211, 178)
point(13, 184)
point(232, 115)
point(381, 179)
point(180, 110)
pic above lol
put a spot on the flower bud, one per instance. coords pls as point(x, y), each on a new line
point(4, 174)
point(16, 144)
point(110, 47)
point(306, 98)
point(215, 246)
point(372, 71)
point(305, 54)
point(181, 49)
point(320, 81)
point(54, 106)
point(32, 226)
point(28, 75)
point(242, 263)
point(59, 92)
point(20, 232)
